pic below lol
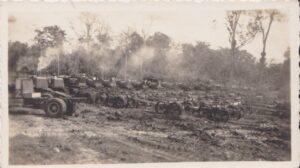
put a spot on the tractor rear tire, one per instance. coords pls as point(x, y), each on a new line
point(174, 110)
point(55, 108)
point(119, 102)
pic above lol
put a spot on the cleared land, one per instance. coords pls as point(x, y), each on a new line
point(102, 134)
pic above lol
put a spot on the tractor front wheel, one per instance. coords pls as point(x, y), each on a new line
point(55, 107)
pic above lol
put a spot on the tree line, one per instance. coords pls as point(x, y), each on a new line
point(134, 55)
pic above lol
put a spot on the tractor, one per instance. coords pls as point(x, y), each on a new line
point(111, 100)
point(152, 82)
point(214, 111)
point(220, 112)
point(117, 100)
point(81, 87)
point(172, 109)
point(34, 92)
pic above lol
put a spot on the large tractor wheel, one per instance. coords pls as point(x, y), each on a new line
point(55, 107)
point(119, 102)
point(174, 110)
point(235, 114)
point(160, 107)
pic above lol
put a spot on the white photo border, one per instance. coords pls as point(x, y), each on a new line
point(293, 8)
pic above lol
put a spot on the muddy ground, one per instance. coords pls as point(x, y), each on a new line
point(102, 134)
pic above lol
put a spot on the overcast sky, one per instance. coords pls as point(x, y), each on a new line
point(183, 26)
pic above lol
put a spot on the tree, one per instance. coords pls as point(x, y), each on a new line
point(94, 30)
point(240, 33)
point(130, 43)
point(29, 62)
point(159, 41)
point(265, 19)
point(34, 51)
point(195, 58)
point(89, 20)
point(49, 39)
point(278, 77)
point(103, 38)
point(50, 36)
point(94, 38)
point(16, 50)
point(286, 67)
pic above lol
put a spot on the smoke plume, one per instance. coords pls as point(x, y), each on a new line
point(47, 57)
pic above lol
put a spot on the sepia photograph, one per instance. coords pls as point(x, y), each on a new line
point(140, 83)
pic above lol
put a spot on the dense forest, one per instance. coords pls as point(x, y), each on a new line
point(133, 55)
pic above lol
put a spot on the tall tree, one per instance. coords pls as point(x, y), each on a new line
point(241, 32)
point(89, 21)
point(265, 19)
point(50, 36)
point(130, 43)
point(159, 41)
point(93, 30)
point(161, 44)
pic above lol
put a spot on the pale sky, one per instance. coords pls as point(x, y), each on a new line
point(183, 26)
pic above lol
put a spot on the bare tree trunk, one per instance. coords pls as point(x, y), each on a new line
point(232, 71)
point(264, 39)
point(233, 45)
point(263, 54)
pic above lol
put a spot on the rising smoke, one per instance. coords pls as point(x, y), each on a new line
point(48, 56)
point(132, 66)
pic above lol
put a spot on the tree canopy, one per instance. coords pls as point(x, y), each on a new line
point(133, 55)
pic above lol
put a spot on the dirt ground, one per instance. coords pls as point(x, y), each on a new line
point(137, 135)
